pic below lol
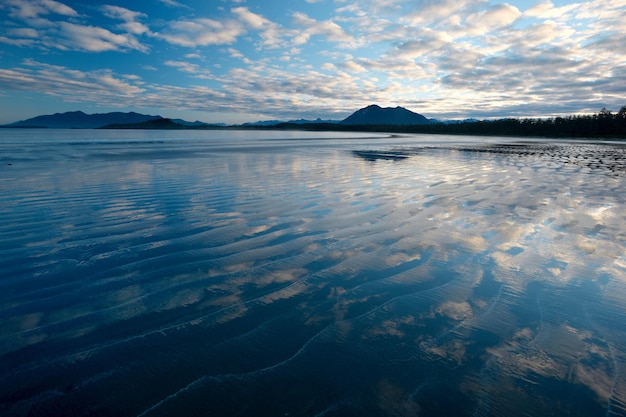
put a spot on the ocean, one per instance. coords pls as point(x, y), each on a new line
point(275, 273)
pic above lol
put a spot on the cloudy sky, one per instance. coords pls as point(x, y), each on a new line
point(245, 60)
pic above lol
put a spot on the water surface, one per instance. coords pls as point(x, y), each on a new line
point(152, 273)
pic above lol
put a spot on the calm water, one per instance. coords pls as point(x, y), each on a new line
point(301, 274)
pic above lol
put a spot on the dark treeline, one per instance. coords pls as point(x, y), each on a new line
point(604, 124)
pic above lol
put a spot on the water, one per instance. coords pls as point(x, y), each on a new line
point(152, 273)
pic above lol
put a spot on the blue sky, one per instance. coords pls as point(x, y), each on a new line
point(245, 60)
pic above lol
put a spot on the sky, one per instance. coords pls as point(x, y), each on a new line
point(236, 61)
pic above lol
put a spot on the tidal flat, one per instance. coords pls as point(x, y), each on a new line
point(154, 273)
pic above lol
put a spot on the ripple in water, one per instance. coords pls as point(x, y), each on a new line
point(221, 273)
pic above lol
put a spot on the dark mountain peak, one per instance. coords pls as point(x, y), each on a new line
point(80, 120)
point(376, 115)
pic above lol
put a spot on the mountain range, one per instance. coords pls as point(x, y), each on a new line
point(370, 115)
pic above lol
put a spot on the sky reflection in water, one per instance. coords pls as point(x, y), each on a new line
point(331, 275)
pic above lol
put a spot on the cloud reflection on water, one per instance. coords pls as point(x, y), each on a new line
point(307, 278)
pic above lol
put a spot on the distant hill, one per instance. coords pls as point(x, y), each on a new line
point(80, 120)
point(160, 123)
point(376, 115)
point(197, 123)
point(266, 123)
point(163, 123)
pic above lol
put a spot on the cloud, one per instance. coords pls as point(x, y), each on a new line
point(272, 35)
point(130, 18)
point(95, 39)
point(439, 12)
point(105, 88)
point(352, 66)
point(547, 10)
point(21, 37)
point(183, 66)
point(173, 3)
point(329, 29)
point(193, 69)
point(32, 12)
point(234, 53)
point(33, 9)
point(69, 34)
point(24, 33)
point(100, 86)
point(251, 19)
point(202, 32)
point(495, 17)
point(424, 41)
point(58, 8)
point(529, 69)
point(17, 42)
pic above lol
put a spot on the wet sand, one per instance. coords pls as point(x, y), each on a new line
point(413, 275)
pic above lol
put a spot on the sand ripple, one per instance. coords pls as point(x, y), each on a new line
point(396, 276)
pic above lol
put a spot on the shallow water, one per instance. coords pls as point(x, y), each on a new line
point(291, 273)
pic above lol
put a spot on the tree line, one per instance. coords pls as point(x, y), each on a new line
point(604, 124)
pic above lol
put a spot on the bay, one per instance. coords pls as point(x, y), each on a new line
point(149, 273)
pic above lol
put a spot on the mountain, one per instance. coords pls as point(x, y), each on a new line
point(267, 123)
point(197, 123)
point(163, 123)
point(80, 120)
point(318, 120)
point(262, 123)
point(376, 115)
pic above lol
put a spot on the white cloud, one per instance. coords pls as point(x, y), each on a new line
point(105, 88)
point(130, 18)
point(235, 53)
point(17, 42)
point(68, 84)
point(33, 9)
point(352, 66)
point(493, 18)
point(423, 42)
point(439, 12)
point(69, 34)
point(58, 8)
point(547, 10)
point(251, 19)
point(183, 66)
point(24, 33)
point(329, 29)
point(271, 33)
point(202, 32)
point(190, 68)
point(95, 39)
point(173, 3)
